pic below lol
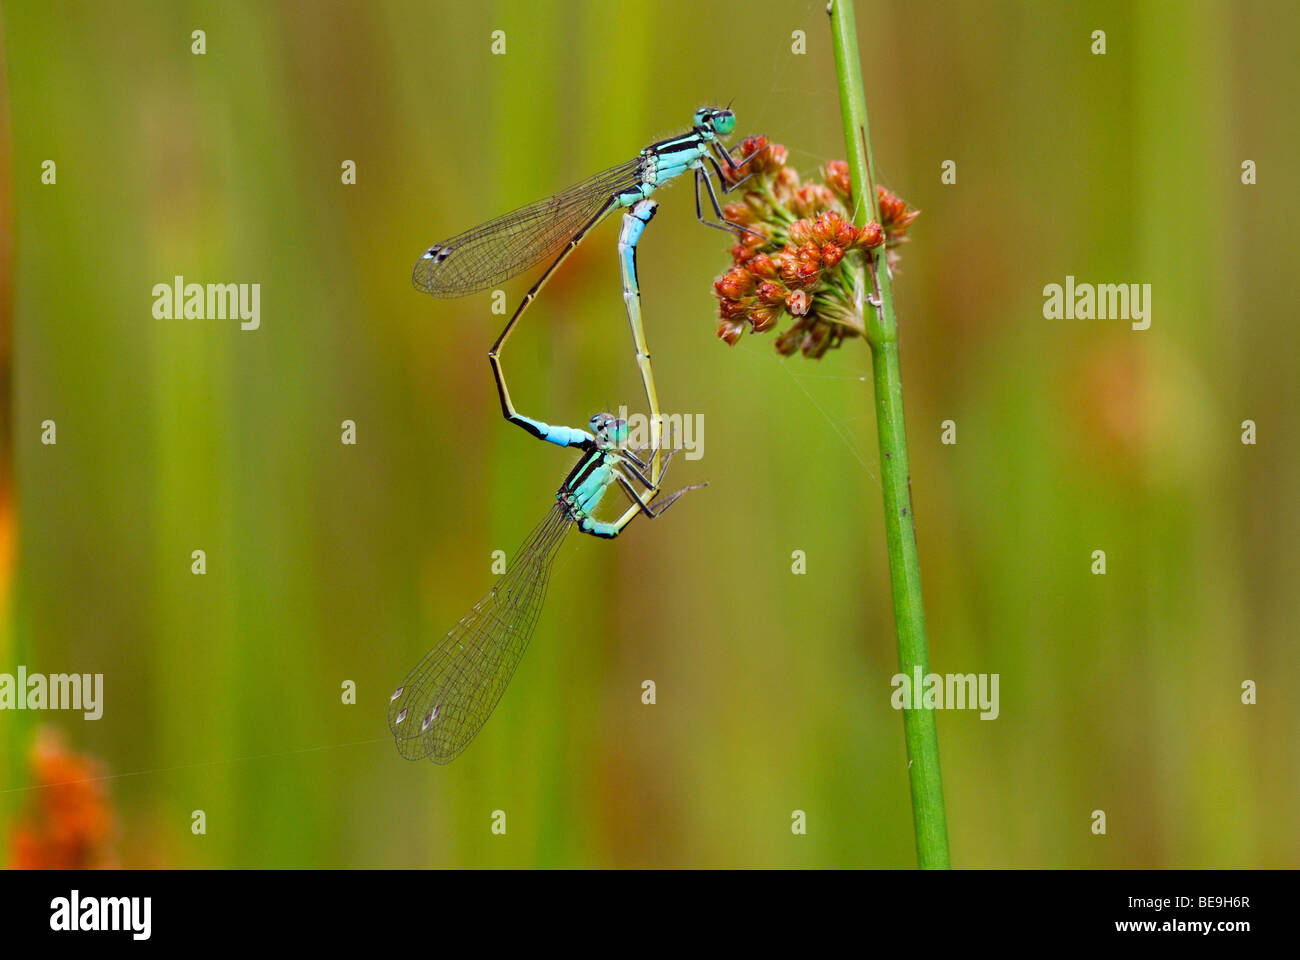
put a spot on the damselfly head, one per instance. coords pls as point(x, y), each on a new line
point(721, 121)
point(609, 428)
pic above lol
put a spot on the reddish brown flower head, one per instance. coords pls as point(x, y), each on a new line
point(799, 270)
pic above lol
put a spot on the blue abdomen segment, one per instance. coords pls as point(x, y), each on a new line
point(599, 528)
point(560, 436)
point(633, 226)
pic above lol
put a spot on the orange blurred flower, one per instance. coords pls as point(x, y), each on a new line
point(68, 823)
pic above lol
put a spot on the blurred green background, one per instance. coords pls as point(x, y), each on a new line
point(330, 563)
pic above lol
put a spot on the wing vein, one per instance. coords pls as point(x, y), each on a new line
point(448, 696)
point(506, 246)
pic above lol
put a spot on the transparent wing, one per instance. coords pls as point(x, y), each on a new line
point(447, 698)
point(499, 249)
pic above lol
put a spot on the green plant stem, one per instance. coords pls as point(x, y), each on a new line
point(919, 728)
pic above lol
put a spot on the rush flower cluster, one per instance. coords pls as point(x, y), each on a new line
point(794, 265)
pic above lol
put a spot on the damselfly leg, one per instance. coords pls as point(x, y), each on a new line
point(536, 427)
point(701, 175)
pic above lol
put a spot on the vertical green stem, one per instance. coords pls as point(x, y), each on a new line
point(919, 728)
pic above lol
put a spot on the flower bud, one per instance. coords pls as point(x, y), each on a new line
point(730, 331)
point(836, 175)
point(871, 236)
point(738, 213)
point(786, 179)
point(735, 283)
point(891, 207)
point(816, 341)
point(788, 342)
point(762, 266)
point(824, 227)
point(732, 309)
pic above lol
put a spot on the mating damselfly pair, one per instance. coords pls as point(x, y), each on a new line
point(448, 696)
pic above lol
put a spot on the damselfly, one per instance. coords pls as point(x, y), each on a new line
point(552, 228)
point(448, 696)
